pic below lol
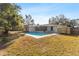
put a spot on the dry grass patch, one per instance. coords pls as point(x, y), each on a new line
point(58, 45)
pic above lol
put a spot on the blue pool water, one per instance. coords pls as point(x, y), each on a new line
point(37, 33)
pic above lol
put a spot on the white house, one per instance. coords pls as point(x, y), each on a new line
point(31, 26)
point(51, 27)
point(75, 22)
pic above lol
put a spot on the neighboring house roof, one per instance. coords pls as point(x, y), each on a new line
point(76, 26)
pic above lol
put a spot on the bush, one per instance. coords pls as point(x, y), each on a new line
point(4, 40)
point(10, 37)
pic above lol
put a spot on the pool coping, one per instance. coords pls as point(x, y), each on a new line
point(41, 36)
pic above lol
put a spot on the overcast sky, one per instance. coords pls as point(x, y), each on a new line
point(41, 12)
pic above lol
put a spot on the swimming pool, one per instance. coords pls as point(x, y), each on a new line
point(37, 33)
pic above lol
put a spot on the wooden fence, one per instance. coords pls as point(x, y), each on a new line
point(64, 30)
point(75, 30)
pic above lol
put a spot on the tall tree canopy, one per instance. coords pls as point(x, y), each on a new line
point(9, 17)
point(61, 19)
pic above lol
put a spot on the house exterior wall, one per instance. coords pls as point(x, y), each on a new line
point(55, 29)
point(31, 28)
point(45, 28)
point(48, 29)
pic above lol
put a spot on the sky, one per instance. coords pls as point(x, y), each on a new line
point(41, 12)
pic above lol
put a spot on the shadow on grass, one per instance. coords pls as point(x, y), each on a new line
point(6, 40)
point(5, 45)
point(74, 35)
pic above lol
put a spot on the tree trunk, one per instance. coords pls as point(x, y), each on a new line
point(6, 32)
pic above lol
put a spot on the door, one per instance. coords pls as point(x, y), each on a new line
point(51, 28)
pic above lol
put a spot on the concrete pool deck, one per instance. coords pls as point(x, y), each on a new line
point(41, 36)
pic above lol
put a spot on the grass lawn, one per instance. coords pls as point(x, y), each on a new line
point(59, 45)
point(6, 40)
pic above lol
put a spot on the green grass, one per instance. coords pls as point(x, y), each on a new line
point(60, 45)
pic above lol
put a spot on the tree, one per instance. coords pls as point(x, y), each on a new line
point(9, 16)
point(61, 19)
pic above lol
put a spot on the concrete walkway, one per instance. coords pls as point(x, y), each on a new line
point(3, 52)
